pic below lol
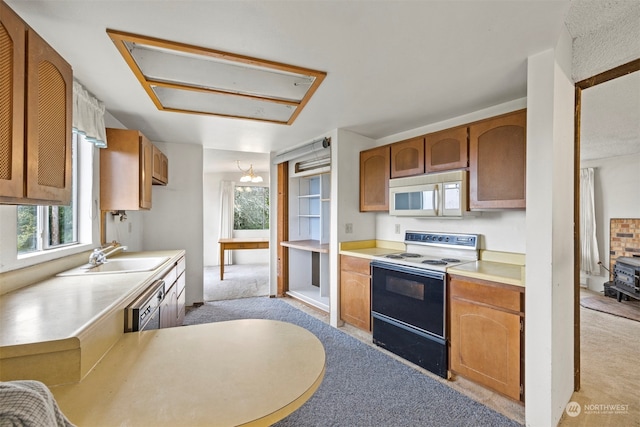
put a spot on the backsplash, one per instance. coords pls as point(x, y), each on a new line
point(624, 239)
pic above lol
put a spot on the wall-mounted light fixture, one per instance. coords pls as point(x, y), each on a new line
point(248, 175)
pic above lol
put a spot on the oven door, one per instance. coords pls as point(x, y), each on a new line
point(410, 296)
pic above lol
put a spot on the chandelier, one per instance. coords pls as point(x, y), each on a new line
point(248, 175)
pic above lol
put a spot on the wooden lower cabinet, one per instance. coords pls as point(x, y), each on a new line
point(355, 292)
point(168, 313)
point(486, 322)
point(172, 309)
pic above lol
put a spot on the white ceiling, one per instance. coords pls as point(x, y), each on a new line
point(391, 65)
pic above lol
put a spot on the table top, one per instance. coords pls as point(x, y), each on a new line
point(241, 372)
point(244, 240)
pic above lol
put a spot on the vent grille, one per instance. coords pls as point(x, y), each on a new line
point(313, 164)
point(51, 126)
point(6, 103)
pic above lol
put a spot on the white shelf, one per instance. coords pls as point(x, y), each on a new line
point(311, 297)
point(309, 211)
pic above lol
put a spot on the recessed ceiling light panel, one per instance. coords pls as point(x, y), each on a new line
point(205, 102)
point(193, 79)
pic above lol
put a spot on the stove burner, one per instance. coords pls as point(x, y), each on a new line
point(450, 260)
point(410, 255)
point(394, 256)
point(434, 262)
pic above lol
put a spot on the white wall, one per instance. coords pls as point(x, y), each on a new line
point(549, 236)
point(345, 206)
point(175, 220)
point(617, 195)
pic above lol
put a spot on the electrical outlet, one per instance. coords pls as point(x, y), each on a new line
point(130, 227)
point(348, 228)
point(397, 228)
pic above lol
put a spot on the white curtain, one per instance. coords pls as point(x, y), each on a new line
point(589, 244)
point(227, 191)
point(88, 116)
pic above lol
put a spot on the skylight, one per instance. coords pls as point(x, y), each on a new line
point(191, 79)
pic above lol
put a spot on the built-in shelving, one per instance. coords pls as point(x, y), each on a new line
point(309, 211)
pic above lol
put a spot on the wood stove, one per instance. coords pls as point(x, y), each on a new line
point(626, 277)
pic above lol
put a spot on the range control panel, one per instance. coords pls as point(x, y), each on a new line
point(442, 239)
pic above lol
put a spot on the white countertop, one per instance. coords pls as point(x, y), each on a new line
point(509, 274)
point(61, 307)
point(241, 372)
point(57, 329)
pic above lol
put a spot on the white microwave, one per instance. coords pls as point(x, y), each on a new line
point(442, 195)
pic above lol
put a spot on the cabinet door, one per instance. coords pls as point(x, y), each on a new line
point(49, 110)
point(407, 157)
point(447, 150)
point(146, 172)
point(168, 313)
point(485, 346)
point(180, 302)
point(160, 167)
point(497, 157)
point(374, 179)
point(355, 299)
point(12, 86)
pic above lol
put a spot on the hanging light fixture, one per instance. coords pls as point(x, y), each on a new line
point(248, 175)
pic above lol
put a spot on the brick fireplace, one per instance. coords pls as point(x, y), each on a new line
point(624, 239)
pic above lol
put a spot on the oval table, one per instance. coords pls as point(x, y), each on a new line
point(240, 372)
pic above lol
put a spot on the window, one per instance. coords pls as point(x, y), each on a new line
point(47, 227)
point(251, 208)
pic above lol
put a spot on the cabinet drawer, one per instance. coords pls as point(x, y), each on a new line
point(181, 283)
point(486, 293)
point(181, 309)
point(182, 264)
point(170, 278)
point(355, 264)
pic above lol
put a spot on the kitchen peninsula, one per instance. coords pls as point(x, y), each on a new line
point(243, 372)
point(247, 372)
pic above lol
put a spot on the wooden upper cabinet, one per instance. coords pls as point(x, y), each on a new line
point(374, 179)
point(12, 84)
point(160, 167)
point(446, 150)
point(497, 162)
point(126, 169)
point(407, 157)
point(146, 172)
point(35, 152)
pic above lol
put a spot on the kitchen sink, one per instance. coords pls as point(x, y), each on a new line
point(117, 266)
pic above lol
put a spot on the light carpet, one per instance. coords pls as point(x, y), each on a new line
point(240, 281)
point(362, 387)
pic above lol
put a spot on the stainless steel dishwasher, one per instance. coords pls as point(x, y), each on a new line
point(144, 313)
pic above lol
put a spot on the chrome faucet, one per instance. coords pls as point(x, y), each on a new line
point(97, 257)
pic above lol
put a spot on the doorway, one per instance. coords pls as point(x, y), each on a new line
point(587, 143)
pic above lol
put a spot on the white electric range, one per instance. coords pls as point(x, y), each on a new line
point(435, 251)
